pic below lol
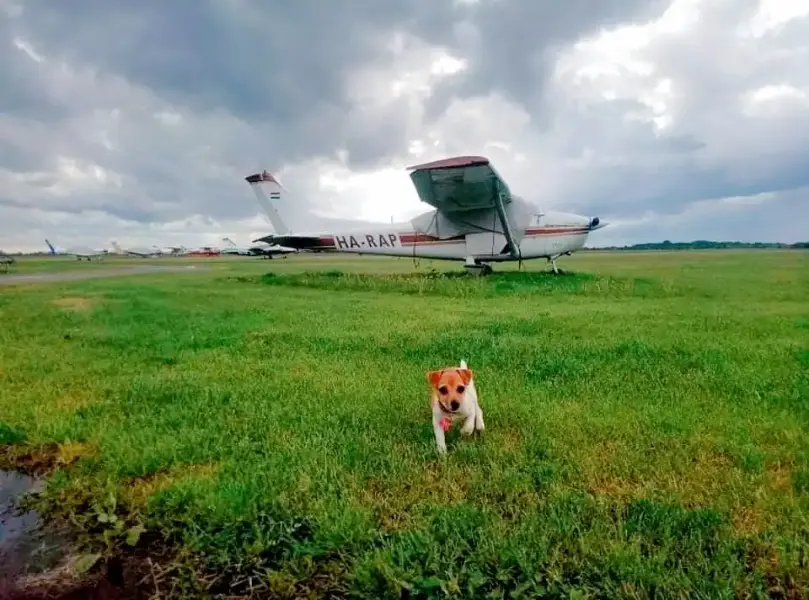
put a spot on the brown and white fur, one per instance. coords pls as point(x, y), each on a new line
point(453, 398)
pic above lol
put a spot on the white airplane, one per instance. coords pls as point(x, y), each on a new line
point(476, 220)
point(175, 250)
point(257, 249)
point(141, 252)
point(78, 251)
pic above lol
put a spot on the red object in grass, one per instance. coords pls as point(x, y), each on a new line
point(445, 424)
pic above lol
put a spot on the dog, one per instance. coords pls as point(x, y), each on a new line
point(453, 397)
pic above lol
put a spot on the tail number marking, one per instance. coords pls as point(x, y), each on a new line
point(370, 240)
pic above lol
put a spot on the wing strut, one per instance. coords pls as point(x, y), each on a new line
point(513, 248)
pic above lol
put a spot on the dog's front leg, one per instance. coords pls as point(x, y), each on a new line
point(441, 445)
point(479, 425)
point(469, 425)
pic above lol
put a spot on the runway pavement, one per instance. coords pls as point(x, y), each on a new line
point(78, 275)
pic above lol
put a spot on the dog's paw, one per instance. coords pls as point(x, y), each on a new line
point(442, 449)
point(479, 424)
point(468, 429)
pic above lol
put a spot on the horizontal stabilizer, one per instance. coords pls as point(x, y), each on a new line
point(299, 241)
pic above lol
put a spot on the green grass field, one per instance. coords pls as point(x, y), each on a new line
point(264, 425)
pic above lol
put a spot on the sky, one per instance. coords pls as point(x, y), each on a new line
point(138, 121)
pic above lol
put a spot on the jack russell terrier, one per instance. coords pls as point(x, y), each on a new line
point(454, 397)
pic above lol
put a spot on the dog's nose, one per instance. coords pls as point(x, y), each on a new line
point(454, 405)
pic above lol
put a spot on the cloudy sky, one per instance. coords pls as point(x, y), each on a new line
point(137, 121)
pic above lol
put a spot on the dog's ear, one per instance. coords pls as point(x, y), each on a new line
point(466, 375)
point(434, 377)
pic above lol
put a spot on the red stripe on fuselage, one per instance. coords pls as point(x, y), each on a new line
point(409, 239)
point(412, 239)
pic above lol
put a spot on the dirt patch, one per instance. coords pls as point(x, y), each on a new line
point(392, 503)
point(616, 488)
point(117, 578)
point(43, 459)
point(139, 489)
point(697, 480)
point(74, 303)
point(749, 520)
point(72, 401)
point(778, 477)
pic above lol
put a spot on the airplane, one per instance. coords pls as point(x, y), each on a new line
point(204, 251)
point(258, 249)
point(140, 252)
point(6, 260)
point(174, 250)
point(476, 220)
point(79, 252)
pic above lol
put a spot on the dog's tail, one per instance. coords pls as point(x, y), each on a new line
point(463, 364)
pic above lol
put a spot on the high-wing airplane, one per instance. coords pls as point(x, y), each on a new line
point(6, 260)
point(79, 252)
point(140, 252)
point(174, 250)
point(256, 249)
point(476, 220)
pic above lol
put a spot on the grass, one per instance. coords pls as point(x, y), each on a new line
point(265, 425)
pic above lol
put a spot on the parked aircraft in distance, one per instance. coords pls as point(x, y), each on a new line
point(79, 252)
point(256, 249)
point(204, 251)
point(151, 252)
point(6, 260)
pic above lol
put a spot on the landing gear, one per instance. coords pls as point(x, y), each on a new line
point(552, 260)
point(476, 267)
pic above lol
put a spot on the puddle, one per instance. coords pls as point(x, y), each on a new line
point(26, 549)
point(39, 561)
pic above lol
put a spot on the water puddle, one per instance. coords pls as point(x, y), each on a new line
point(37, 560)
point(27, 550)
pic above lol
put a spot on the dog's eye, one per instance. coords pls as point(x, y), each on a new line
point(460, 389)
point(443, 390)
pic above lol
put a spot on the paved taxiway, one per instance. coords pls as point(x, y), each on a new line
point(78, 275)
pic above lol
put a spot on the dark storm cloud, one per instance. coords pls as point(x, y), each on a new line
point(285, 63)
point(515, 42)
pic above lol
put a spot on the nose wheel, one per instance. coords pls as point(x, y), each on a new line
point(552, 260)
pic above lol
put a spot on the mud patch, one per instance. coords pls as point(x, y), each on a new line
point(35, 561)
point(43, 459)
point(40, 558)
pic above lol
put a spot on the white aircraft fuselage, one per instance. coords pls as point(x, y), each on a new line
point(550, 234)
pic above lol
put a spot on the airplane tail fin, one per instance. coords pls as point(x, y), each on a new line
point(264, 181)
point(53, 250)
point(229, 241)
point(116, 247)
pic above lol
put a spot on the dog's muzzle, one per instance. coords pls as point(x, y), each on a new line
point(454, 406)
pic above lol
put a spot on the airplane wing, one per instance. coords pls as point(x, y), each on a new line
point(464, 184)
point(460, 184)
